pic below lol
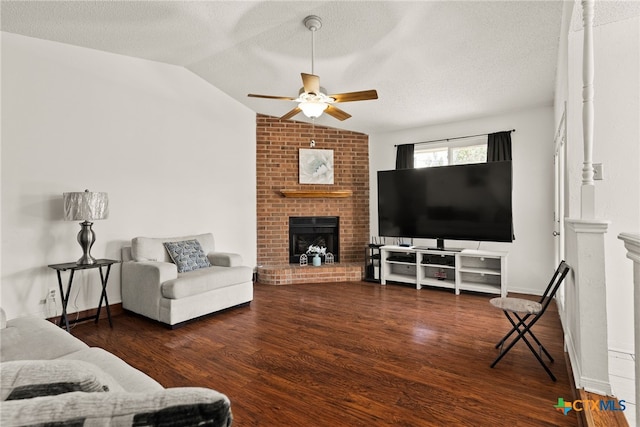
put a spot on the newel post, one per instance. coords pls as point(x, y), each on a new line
point(588, 202)
point(585, 291)
point(586, 305)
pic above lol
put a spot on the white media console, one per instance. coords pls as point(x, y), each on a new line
point(460, 270)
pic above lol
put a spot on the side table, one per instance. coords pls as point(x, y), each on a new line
point(372, 263)
point(72, 267)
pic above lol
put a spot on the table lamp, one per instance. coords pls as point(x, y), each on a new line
point(86, 207)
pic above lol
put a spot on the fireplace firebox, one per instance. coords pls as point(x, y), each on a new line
point(305, 231)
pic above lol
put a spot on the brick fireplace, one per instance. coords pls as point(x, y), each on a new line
point(278, 142)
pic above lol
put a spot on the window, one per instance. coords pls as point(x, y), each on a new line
point(460, 152)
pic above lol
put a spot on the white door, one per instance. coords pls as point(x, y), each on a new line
point(559, 202)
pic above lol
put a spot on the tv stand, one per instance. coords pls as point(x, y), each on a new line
point(457, 269)
point(433, 248)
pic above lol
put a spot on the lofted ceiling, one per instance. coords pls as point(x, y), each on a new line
point(430, 61)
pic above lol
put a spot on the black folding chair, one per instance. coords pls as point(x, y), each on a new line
point(524, 313)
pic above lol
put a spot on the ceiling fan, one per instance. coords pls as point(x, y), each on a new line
point(312, 98)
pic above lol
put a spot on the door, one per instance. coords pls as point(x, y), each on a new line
point(559, 157)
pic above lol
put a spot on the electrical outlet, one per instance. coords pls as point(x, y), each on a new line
point(52, 295)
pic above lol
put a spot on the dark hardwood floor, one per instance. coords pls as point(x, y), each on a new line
point(352, 354)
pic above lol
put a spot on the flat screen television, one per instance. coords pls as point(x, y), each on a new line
point(462, 202)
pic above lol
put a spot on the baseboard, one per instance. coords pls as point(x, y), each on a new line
point(573, 359)
point(581, 381)
point(596, 386)
point(114, 308)
point(589, 418)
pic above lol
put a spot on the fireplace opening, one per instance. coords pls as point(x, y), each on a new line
point(305, 231)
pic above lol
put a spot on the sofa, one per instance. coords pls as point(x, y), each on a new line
point(49, 377)
point(192, 281)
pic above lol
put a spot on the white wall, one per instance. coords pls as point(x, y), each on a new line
point(530, 261)
point(175, 155)
point(617, 147)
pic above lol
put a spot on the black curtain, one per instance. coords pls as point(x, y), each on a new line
point(404, 156)
point(499, 150)
point(498, 146)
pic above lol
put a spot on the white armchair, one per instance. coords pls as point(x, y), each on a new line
point(153, 287)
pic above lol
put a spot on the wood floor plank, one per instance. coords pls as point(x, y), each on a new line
point(352, 354)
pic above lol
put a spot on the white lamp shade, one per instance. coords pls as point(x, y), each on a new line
point(85, 206)
point(312, 109)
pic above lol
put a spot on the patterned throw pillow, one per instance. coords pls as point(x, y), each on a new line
point(187, 255)
point(24, 379)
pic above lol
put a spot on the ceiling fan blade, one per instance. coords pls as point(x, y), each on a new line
point(337, 113)
point(311, 83)
point(355, 96)
point(286, 98)
point(291, 114)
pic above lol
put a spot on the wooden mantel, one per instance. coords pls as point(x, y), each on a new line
point(308, 194)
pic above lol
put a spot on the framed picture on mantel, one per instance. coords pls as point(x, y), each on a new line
point(316, 166)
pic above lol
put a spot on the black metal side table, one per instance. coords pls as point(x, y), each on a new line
point(72, 267)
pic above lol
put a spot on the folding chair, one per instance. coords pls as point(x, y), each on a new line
point(524, 313)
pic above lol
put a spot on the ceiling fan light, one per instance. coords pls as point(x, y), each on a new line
point(313, 109)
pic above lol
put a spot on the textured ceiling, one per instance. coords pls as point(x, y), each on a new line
point(606, 12)
point(431, 62)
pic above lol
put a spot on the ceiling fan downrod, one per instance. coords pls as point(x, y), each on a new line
point(313, 24)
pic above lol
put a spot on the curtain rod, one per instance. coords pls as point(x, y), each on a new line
point(451, 139)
